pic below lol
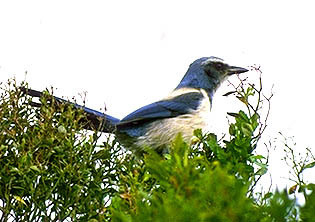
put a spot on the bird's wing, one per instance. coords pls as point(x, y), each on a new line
point(179, 105)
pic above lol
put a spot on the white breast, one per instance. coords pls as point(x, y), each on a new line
point(161, 132)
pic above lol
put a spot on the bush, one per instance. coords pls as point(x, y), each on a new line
point(53, 170)
point(184, 186)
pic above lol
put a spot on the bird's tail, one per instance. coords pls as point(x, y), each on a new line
point(95, 119)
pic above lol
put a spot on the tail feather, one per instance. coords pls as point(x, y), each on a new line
point(95, 119)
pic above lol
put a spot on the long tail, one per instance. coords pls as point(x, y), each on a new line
point(95, 119)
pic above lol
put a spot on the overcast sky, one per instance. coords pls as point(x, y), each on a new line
point(127, 54)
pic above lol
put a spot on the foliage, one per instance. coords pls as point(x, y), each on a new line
point(52, 170)
point(184, 186)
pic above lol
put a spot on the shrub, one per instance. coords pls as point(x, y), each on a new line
point(51, 169)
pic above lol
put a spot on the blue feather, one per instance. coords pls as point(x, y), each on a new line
point(179, 105)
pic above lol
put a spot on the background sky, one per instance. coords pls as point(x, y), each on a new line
point(126, 54)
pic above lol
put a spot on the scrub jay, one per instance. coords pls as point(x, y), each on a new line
point(185, 109)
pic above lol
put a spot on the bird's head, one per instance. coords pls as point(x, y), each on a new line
point(208, 73)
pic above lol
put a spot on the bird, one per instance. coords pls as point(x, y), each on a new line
point(185, 109)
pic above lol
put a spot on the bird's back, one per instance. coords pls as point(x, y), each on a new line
point(157, 132)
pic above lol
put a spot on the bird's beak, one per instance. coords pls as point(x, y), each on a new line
point(236, 70)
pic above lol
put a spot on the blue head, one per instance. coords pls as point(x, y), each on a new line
point(208, 73)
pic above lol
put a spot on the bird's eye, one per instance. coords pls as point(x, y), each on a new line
point(218, 66)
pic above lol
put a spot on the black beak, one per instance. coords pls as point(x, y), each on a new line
point(236, 70)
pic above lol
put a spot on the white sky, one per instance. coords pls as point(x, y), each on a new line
point(130, 53)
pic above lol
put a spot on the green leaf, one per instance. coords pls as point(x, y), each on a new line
point(247, 129)
point(233, 114)
point(310, 165)
point(267, 195)
point(250, 91)
point(256, 157)
point(232, 130)
point(262, 171)
point(311, 186)
point(35, 168)
point(243, 116)
point(229, 93)
point(62, 129)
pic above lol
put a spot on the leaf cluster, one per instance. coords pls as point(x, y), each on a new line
point(51, 169)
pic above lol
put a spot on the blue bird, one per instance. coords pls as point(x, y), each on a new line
point(184, 110)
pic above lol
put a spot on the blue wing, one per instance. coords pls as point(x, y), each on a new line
point(179, 105)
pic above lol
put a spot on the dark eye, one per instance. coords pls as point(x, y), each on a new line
point(219, 66)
